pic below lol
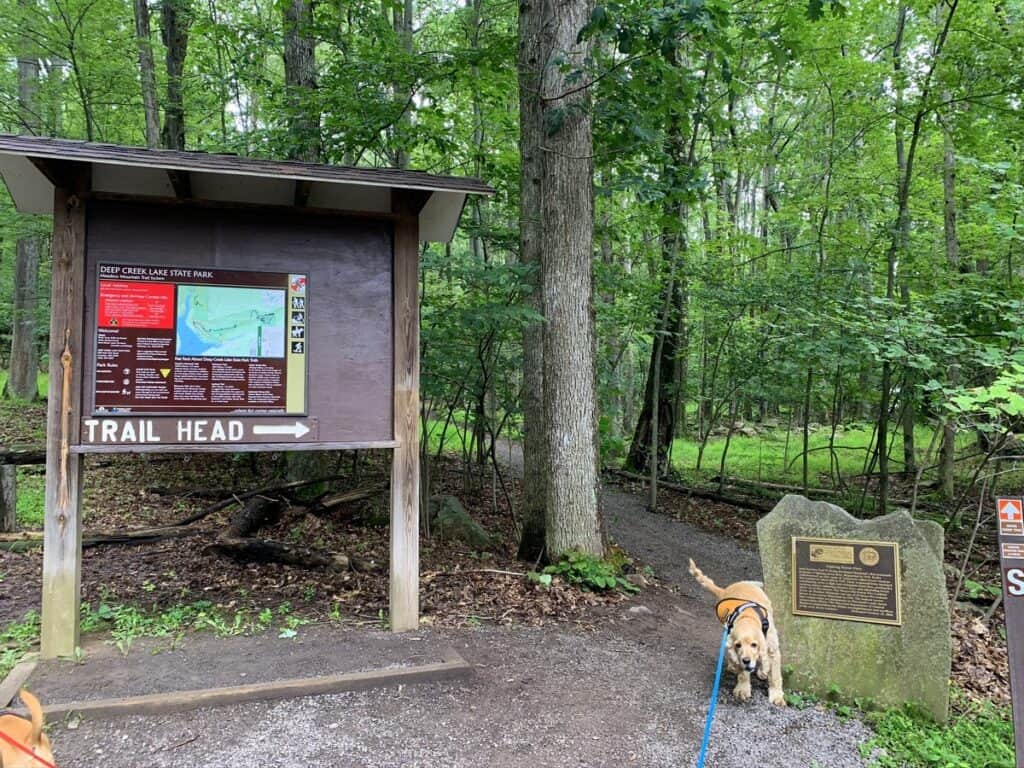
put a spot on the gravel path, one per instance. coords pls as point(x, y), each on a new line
point(632, 692)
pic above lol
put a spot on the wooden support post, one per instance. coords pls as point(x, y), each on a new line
point(405, 467)
point(62, 542)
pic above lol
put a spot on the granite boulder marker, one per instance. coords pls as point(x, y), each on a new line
point(890, 665)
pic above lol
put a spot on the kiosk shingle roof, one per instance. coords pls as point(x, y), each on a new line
point(143, 172)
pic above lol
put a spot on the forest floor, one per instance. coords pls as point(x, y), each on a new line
point(560, 674)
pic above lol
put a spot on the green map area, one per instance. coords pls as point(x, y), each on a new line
point(223, 321)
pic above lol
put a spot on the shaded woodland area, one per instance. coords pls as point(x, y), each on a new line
point(715, 222)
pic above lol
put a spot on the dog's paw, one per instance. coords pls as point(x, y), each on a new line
point(742, 692)
point(762, 673)
point(777, 698)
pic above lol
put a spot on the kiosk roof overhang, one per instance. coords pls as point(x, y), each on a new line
point(31, 166)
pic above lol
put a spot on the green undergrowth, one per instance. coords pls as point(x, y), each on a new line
point(768, 457)
point(127, 623)
point(17, 639)
point(31, 498)
point(124, 624)
point(42, 382)
point(981, 737)
point(588, 572)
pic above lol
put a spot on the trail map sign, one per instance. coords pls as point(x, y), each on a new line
point(176, 340)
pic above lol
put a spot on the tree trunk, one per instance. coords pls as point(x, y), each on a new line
point(8, 498)
point(567, 210)
point(24, 363)
point(175, 16)
point(22, 381)
point(947, 460)
point(147, 73)
point(662, 370)
point(402, 16)
point(300, 81)
point(531, 544)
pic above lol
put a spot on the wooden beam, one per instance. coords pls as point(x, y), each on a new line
point(302, 189)
point(238, 206)
point(451, 667)
point(60, 173)
point(405, 466)
point(182, 183)
point(62, 550)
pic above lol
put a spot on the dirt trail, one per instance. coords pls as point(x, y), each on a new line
point(632, 692)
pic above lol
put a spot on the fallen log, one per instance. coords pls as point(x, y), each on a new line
point(248, 550)
point(254, 514)
point(26, 455)
point(327, 503)
point(701, 494)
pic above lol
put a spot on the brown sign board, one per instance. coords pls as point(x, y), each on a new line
point(1009, 513)
point(847, 580)
point(217, 330)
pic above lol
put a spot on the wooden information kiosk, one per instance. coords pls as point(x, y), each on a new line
point(217, 303)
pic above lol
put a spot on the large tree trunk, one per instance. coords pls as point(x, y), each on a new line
point(8, 498)
point(947, 452)
point(402, 15)
point(147, 73)
point(175, 16)
point(531, 544)
point(304, 128)
point(24, 363)
point(665, 355)
point(567, 210)
point(24, 371)
point(300, 80)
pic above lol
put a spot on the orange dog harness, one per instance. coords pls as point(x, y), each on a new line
point(728, 609)
point(21, 747)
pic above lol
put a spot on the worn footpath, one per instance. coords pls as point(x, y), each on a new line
point(634, 691)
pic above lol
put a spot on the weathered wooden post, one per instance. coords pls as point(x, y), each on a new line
point(62, 537)
point(405, 467)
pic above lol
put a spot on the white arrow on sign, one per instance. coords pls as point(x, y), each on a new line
point(298, 429)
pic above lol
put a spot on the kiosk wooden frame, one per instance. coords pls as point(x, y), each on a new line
point(65, 177)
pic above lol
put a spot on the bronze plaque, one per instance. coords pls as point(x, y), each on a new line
point(847, 579)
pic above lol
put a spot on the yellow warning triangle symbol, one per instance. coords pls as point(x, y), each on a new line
point(164, 372)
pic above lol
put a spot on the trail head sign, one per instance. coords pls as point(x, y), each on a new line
point(217, 303)
point(1011, 560)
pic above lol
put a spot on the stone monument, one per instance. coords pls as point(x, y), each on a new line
point(873, 619)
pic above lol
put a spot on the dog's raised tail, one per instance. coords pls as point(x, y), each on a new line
point(36, 712)
point(704, 581)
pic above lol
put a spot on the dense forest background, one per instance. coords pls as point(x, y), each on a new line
point(808, 217)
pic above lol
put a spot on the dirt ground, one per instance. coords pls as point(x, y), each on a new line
point(631, 689)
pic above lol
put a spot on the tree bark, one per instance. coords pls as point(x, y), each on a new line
point(531, 543)
point(24, 370)
point(402, 16)
point(300, 81)
point(24, 362)
point(8, 498)
point(175, 16)
point(147, 73)
point(567, 210)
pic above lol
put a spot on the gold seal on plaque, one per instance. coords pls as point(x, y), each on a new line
point(869, 556)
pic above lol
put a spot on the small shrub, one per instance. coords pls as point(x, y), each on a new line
point(589, 573)
point(980, 738)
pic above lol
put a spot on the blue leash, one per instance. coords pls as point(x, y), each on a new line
point(714, 698)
